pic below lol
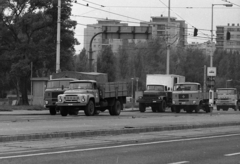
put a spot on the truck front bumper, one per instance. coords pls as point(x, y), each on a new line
point(192, 102)
point(59, 104)
point(154, 101)
point(226, 103)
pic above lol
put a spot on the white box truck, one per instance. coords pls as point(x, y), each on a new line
point(158, 93)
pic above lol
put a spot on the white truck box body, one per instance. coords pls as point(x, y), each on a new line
point(162, 79)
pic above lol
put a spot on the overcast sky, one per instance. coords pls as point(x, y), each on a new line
point(196, 13)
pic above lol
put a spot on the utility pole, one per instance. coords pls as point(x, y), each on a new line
point(58, 38)
point(168, 45)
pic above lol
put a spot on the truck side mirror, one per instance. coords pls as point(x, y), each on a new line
point(62, 87)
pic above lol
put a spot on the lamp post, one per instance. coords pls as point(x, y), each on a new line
point(137, 83)
point(227, 82)
point(211, 56)
point(132, 92)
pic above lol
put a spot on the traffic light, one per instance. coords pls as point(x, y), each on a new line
point(228, 35)
point(195, 33)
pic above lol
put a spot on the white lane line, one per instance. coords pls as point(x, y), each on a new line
point(229, 155)
point(118, 146)
point(180, 162)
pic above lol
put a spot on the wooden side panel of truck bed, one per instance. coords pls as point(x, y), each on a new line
point(113, 89)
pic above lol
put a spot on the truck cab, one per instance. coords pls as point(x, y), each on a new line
point(92, 97)
point(158, 97)
point(79, 93)
point(53, 88)
point(227, 98)
point(189, 97)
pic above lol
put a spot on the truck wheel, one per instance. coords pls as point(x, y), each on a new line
point(142, 107)
point(89, 109)
point(207, 109)
point(64, 111)
point(52, 111)
point(236, 108)
point(189, 110)
point(163, 106)
point(172, 109)
point(96, 112)
point(177, 109)
point(154, 109)
point(197, 108)
point(115, 110)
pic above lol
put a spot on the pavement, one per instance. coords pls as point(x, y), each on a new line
point(70, 127)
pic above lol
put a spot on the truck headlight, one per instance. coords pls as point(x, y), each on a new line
point(194, 102)
point(159, 98)
point(83, 99)
point(46, 102)
point(173, 102)
point(59, 98)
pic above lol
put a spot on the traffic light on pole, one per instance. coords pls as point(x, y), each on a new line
point(228, 35)
point(195, 33)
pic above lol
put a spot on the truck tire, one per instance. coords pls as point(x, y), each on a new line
point(154, 108)
point(207, 109)
point(64, 111)
point(173, 109)
point(142, 107)
point(177, 109)
point(236, 108)
point(162, 107)
point(116, 109)
point(96, 112)
point(89, 108)
point(52, 111)
point(189, 109)
point(197, 108)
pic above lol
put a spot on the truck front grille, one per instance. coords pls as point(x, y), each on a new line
point(150, 97)
point(183, 97)
point(71, 98)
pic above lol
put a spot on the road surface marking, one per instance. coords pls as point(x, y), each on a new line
point(117, 146)
point(228, 155)
point(180, 162)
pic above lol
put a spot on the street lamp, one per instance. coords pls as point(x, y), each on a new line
point(211, 56)
point(132, 92)
point(137, 83)
point(227, 82)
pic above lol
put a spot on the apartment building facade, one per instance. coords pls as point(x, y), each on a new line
point(175, 34)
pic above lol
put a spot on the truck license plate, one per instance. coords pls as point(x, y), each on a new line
point(70, 104)
point(183, 102)
point(154, 101)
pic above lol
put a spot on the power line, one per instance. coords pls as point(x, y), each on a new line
point(110, 12)
point(181, 17)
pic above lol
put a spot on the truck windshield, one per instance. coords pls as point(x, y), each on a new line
point(81, 86)
point(155, 87)
point(58, 84)
point(186, 87)
point(226, 91)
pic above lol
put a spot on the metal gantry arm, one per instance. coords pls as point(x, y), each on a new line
point(91, 51)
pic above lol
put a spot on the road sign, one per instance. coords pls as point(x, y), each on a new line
point(211, 71)
point(127, 32)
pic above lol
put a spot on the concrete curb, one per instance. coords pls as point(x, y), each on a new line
point(126, 130)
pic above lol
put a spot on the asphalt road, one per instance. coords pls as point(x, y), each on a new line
point(215, 146)
point(44, 115)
